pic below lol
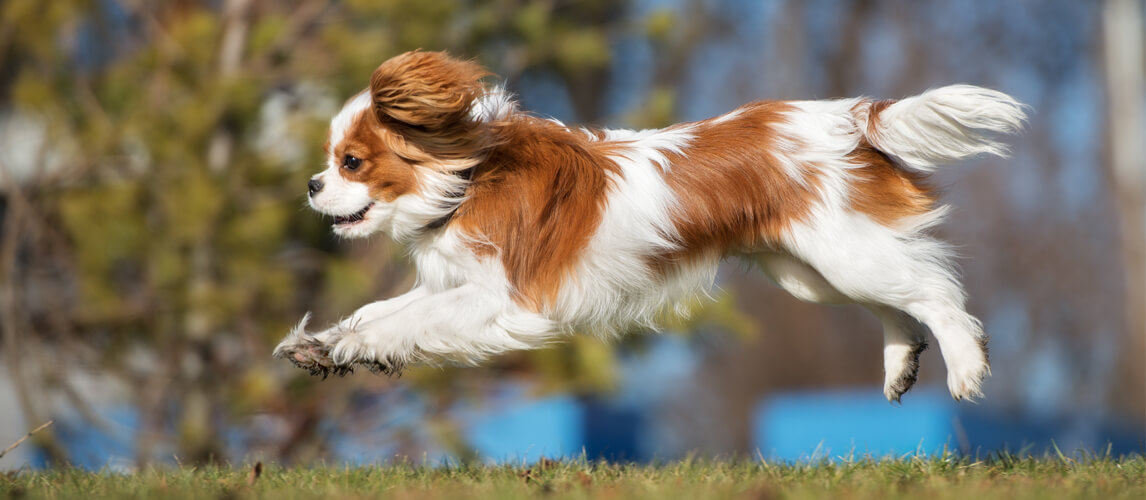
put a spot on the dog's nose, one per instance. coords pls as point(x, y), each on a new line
point(314, 186)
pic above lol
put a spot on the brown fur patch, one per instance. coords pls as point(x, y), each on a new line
point(537, 200)
point(734, 196)
point(873, 110)
point(885, 191)
point(386, 173)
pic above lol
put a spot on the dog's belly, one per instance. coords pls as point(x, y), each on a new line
point(799, 279)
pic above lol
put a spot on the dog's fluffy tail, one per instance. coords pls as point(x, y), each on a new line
point(942, 125)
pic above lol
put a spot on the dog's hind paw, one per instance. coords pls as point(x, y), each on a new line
point(965, 373)
point(897, 382)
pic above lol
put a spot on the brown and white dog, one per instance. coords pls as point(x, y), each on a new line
point(524, 229)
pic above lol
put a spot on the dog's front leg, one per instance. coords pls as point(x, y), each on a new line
point(467, 323)
point(311, 350)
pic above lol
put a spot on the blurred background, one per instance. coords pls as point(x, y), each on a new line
point(155, 245)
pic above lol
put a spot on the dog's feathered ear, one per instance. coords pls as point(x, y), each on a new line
point(426, 97)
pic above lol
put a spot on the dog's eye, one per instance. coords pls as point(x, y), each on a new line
point(351, 162)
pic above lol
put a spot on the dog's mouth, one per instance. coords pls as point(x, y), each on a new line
point(354, 218)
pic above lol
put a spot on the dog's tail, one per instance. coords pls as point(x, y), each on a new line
point(941, 125)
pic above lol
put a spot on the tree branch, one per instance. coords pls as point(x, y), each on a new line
point(13, 446)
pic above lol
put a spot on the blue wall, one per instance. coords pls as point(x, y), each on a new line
point(834, 424)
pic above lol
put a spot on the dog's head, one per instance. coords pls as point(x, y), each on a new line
point(397, 152)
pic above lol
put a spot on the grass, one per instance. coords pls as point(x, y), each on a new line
point(1003, 476)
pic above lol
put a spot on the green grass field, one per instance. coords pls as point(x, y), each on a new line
point(1001, 477)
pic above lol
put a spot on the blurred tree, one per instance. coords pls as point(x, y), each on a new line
point(1124, 35)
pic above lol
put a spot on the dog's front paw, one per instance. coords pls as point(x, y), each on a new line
point(306, 351)
point(314, 357)
point(336, 350)
point(355, 348)
point(389, 367)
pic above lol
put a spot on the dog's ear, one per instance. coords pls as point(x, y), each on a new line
point(426, 97)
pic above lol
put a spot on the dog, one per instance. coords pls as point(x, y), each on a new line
point(524, 230)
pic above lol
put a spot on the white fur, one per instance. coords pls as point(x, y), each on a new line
point(496, 105)
point(345, 117)
point(462, 307)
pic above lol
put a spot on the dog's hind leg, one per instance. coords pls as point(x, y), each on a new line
point(904, 339)
point(961, 342)
point(874, 264)
point(799, 279)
